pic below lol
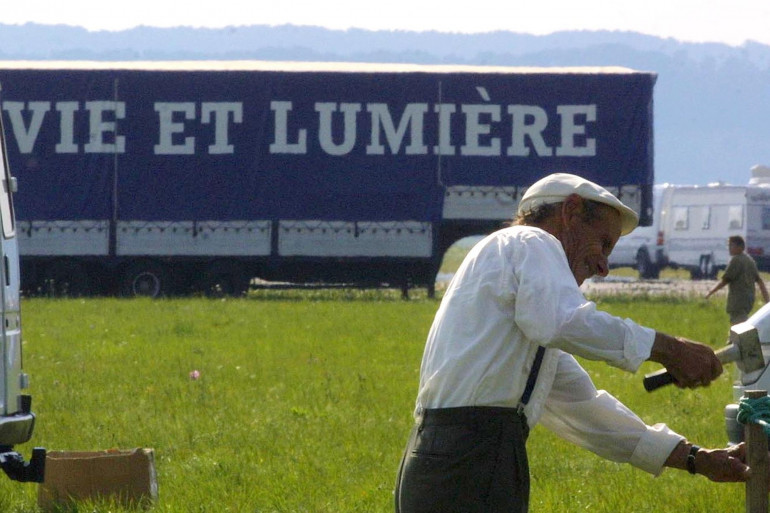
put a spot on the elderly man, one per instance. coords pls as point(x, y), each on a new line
point(499, 359)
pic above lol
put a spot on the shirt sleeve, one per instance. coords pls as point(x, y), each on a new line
point(754, 272)
point(567, 320)
point(731, 271)
point(597, 421)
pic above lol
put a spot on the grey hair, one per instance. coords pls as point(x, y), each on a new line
point(540, 213)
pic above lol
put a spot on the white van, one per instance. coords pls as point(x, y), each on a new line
point(16, 418)
point(643, 248)
point(691, 225)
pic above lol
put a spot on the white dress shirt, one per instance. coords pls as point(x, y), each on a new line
point(512, 293)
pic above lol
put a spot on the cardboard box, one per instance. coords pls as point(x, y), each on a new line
point(125, 476)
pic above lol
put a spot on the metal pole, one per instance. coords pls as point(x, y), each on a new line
point(112, 224)
point(757, 459)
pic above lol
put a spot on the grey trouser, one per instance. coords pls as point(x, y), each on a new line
point(465, 460)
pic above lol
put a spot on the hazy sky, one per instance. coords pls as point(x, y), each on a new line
point(727, 21)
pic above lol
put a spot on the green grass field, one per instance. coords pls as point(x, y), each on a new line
point(304, 402)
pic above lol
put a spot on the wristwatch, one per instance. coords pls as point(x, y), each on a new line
point(691, 459)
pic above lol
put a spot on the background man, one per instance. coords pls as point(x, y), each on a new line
point(499, 359)
point(740, 276)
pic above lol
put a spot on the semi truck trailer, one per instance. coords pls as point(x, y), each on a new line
point(153, 178)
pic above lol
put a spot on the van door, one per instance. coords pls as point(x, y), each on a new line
point(13, 379)
point(16, 418)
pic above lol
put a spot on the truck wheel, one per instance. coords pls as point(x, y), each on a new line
point(647, 270)
point(146, 278)
point(223, 279)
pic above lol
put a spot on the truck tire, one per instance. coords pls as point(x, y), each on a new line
point(225, 278)
point(647, 269)
point(145, 278)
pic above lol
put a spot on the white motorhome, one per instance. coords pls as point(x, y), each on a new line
point(691, 224)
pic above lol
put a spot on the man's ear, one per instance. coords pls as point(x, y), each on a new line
point(571, 209)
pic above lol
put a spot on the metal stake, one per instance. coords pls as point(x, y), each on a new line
point(757, 459)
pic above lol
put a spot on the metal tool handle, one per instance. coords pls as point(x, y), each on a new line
point(662, 377)
point(657, 379)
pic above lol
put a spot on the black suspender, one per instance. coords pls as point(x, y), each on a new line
point(530, 386)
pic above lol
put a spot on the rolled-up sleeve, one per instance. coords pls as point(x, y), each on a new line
point(597, 421)
point(596, 335)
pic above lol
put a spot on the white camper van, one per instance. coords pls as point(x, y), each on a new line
point(691, 224)
point(16, 418)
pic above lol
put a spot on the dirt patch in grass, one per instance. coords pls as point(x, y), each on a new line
point(634, 287)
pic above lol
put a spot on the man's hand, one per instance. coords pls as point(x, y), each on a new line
point(723, 465)
point(692, 364)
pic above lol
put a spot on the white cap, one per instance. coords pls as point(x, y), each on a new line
point(556, 187)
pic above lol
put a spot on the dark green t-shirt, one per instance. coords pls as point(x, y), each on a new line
point(741, 275)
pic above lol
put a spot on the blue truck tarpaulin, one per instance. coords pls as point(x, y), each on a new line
point(328, 145)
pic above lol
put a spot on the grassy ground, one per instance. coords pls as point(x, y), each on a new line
point(304, 402)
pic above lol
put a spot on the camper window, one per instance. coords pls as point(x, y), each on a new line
point(705, 217)
point(735, 217)
point(766, 218)
point(681, 218)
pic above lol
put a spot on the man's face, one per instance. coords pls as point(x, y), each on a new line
point(588, 244)
point(733, 248)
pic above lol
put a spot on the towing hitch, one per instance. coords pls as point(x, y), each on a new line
point(17, 429)
point(32, 471)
